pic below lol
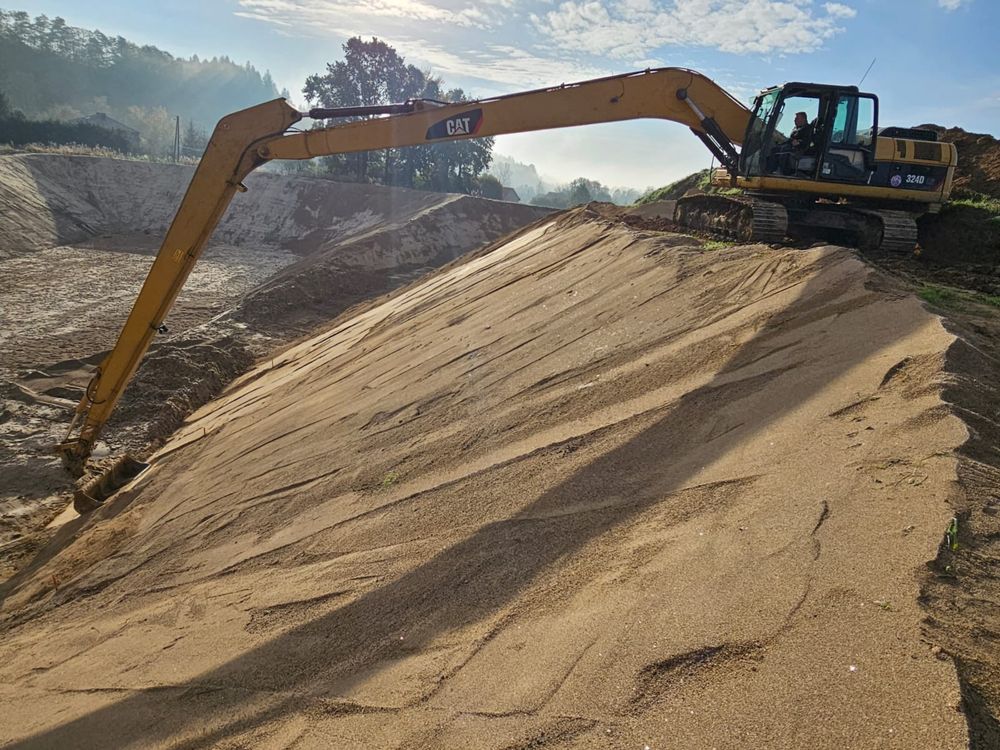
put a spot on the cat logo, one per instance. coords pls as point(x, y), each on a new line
point(459, 126)
point(467, 123)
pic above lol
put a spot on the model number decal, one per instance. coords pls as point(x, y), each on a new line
point(466, 123)
point(915, 179)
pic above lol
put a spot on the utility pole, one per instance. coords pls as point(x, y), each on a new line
point(177, 139)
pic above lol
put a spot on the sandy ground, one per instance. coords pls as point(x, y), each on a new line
point(77, 237)
point(598, 487)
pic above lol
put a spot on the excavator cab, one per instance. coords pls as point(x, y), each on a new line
point(841, 124)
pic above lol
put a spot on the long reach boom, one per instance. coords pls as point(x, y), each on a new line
point(247, 139)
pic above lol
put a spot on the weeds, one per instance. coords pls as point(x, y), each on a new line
point(955, 299)
point(973, 199)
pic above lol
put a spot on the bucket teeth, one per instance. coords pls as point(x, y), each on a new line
point(92, 494)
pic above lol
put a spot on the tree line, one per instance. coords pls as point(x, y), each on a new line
point(52, 73)
point(18, 130)
point(532, 188)
point(581, 190)
point(50, 70)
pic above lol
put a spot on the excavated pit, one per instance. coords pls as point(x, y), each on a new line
point(596, 485)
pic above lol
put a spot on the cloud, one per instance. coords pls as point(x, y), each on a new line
point(502, 64)
point(950, 5)
point(416, 29)
point(305, 13)
point(839, 10)
point(628, 29)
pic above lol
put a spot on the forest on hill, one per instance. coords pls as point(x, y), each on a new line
point(50, 70)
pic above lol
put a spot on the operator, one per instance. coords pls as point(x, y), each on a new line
point(799, 144)
point(802, 134)
point(785, 156)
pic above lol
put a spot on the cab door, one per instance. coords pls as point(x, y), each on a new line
point(849, 137)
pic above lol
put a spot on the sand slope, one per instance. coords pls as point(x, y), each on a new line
point(598, 487)
point(77, 236)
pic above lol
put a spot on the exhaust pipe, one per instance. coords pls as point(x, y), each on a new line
point(92, 494)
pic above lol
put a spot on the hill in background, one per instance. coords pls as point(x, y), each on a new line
point(49, 69)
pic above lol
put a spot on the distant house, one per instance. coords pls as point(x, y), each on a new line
point(510, 195)
point(101, 120)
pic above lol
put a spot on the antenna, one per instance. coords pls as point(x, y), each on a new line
point(867, 71)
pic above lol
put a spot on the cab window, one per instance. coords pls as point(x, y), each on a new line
point(753, 147)
point(853, 122)
point(849, 155)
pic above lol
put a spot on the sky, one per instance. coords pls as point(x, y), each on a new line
point(935, 60)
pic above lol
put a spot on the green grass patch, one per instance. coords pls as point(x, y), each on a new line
point(950, 298)
point(940, 296)
point(973, 199)
point(673, 191)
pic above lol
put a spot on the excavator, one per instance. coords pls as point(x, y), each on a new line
point(864, 183)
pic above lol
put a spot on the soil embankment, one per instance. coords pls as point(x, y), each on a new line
point(598, 486)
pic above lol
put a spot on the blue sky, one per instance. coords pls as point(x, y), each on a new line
point(937, 59)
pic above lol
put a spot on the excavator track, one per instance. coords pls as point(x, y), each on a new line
point(890, 231)
point(742, 218)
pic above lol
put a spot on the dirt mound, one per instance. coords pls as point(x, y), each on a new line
point(186, 372)
point(978, 159)
point(668, 493)
point(68, 301)
point(695, 181)
point(962, 243)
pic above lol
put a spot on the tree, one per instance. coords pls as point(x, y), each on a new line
point(20, 25)
point(195, 140)
point(489, 187)
point(156, 128)
point(583, 190)
point(501, 171)
point(372, 73)
point(579, 192)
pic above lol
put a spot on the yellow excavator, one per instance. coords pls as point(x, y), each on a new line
point(838, 172)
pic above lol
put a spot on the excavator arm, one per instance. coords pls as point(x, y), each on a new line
point(247, 139)
point(668, 93)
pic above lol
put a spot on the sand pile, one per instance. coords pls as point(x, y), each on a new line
point(596, 487)
point(77, 236)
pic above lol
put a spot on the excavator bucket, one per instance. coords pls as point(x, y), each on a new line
point(92, 494)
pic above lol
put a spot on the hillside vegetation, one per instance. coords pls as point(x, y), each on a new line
point(49, 69)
